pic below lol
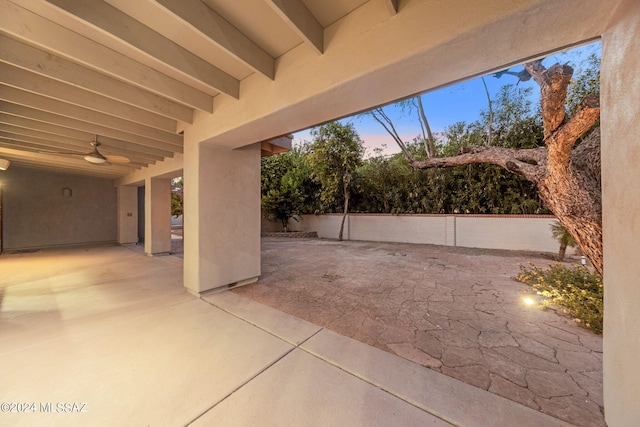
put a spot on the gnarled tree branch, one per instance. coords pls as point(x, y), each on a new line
point(560, 143)
point(553, 83)
point(513, 160)
point(530, 155)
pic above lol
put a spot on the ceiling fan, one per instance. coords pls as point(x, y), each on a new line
point(94, 157)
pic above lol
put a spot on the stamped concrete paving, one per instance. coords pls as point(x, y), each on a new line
point(454, 310)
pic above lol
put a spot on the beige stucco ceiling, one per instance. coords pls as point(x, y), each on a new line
point(133, 73)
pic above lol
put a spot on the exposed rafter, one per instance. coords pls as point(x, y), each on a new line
point(46, 104)
point(301, 20)
point(134, 74)
point(38, 61)
point(39, 148)
point(122, 26)
point(58, 142)
point(222, 33)
point(96, 129)
point(392, 6)
point(54, 131)
point(61, 163)
point(34, 29)
point(24, 80)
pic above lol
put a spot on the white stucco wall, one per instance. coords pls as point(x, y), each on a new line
point(620, 101)
point(506, 232)
point(512, 232)
point(35, 213)
point(405, 229)
point(222, 216)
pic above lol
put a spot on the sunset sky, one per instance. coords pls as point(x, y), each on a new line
point(459, 102)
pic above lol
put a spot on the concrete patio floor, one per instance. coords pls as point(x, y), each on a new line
point(453, 310)
point(108, 336)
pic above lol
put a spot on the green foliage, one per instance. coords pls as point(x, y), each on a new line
point(334, 156)
point(389, 185)
point(576, 291)
point(176, 205)
point(287, 187)
point(586, 81)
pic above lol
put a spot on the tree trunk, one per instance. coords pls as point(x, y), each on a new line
point(577, 210)
point(562, 251)
point(346, 209)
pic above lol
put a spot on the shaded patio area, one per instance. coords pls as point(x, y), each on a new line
point(453, 310)
point(106, 336)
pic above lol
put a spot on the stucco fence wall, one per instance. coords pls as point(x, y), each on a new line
point(512, 232)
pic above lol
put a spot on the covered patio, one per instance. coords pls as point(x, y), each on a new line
point(203, 88)
point(105, 335)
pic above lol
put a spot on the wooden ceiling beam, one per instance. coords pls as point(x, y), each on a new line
point(95, 129)
point(43, 103)
point(36, 30)
point(60, 131)
point(217, 29)
point(55, 67)
point(23, 136)
point(301, 20)
point(123, 27)
point(31, 82)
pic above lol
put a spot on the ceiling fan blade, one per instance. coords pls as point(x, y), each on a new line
point(118, 159)
point(95, 157)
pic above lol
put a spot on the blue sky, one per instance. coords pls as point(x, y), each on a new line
point(460, 102)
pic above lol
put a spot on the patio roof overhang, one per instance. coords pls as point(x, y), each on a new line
point(134, 75)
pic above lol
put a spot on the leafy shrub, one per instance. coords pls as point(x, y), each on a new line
point(575, 291)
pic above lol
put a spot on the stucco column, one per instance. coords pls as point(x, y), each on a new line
point(222, 216)
point(157, 216)
point(127, 214)
point(620, 86)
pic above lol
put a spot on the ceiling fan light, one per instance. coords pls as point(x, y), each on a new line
point(92, 158)
point(4, 164)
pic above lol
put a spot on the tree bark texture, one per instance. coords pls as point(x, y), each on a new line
point(567, 178)
point(562, 251)
point(346, 209)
